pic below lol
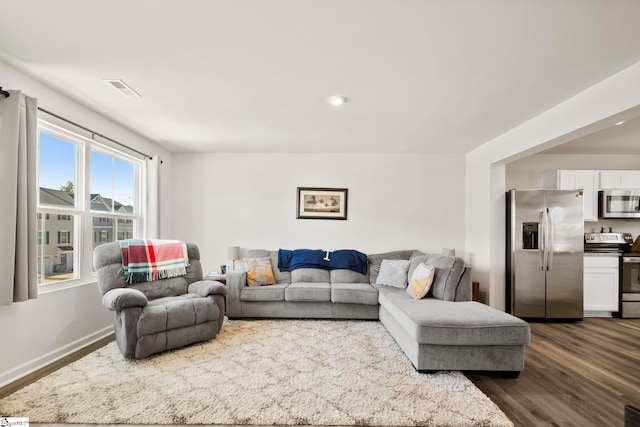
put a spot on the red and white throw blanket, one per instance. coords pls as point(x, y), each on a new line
point(147, 260)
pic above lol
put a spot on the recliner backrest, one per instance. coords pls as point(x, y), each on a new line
point(107, 260)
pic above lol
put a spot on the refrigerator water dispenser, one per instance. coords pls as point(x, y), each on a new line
point(530, 235)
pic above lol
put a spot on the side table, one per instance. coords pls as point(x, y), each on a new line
point(222, 278)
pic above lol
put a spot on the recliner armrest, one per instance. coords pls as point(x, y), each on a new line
point(207, 287)
point(117, 299)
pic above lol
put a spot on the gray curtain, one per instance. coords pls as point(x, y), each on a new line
point(152, 218)
point(18, 195)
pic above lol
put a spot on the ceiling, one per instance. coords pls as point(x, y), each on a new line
point(619, 139)
point(435, 76)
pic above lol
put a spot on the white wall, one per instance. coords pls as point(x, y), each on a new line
point(615, 98)
point(395, 201)
point(39, 331)
point(527, 173)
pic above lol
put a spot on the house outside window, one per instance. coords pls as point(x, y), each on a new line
point(88, 195)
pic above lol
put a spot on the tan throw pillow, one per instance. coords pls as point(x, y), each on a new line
point(259, 272)
point(421, 281)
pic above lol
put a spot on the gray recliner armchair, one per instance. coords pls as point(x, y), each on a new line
point(151, 317)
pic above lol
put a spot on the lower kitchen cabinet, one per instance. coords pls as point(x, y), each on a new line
point(601, 284)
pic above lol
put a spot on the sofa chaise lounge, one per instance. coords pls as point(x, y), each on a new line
point(444, 331)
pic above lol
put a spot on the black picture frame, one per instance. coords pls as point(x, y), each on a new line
point(321, 203)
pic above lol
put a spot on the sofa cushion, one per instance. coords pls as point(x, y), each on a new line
point(347, 276)
point(375, 261)
point(281, 276)
point(433, 321)
point(354, 293)
point(393, 272)
point(259, 272)
point(421, 281)
point(310, 275)
point(448, 273)
point(308, 291)
point(263, 293)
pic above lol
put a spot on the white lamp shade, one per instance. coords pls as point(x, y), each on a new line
point(233, 252)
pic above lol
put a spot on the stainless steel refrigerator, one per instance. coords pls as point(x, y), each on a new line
point(545, 246)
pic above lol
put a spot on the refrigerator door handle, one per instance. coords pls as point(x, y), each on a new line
point(549, 227)
point(542, 240)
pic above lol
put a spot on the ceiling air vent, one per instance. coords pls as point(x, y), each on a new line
point(123, 88)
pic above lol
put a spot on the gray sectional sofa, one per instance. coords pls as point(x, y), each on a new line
point(444, 331)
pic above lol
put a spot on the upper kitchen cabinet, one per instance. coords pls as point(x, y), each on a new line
point(587, 180)
point(616, 179)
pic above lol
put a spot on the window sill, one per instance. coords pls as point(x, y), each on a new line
point(68, 284)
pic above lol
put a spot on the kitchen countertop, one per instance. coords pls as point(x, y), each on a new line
point(615, 254)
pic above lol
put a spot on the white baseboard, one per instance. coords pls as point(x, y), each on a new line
point(48, 358)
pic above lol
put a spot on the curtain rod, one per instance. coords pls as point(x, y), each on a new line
point(92, 132)
point(4, 92)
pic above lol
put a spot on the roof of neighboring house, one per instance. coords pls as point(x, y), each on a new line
point(49, 196)
point(100, 203)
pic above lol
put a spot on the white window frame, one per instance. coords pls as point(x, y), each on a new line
point(81, 212)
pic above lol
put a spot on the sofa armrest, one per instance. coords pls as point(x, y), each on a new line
point(236, 280)
point(464, 290)
point(205, 288)
point(119, 298)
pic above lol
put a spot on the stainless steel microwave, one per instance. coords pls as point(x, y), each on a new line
point(619, 204)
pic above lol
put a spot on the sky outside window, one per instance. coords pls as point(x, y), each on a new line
point(57, 162)
point(112, 178)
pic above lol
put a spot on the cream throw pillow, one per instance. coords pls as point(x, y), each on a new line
point(259, 272)
point(421, 281)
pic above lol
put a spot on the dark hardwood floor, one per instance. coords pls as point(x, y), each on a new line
point(576, 374)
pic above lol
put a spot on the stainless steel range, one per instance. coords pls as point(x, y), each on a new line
point(607, 242)
point(620, 243)
point(630, 286)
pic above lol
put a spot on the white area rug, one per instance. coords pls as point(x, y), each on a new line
point(260, 372)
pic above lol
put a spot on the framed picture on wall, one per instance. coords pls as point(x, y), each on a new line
point(321, 203)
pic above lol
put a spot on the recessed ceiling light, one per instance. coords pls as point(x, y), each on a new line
point(337, 100)
point(619, 123)
point(123, 88)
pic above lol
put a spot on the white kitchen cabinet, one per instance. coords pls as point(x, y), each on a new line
point(587, 180)
point(600, 284)
point(617, 179)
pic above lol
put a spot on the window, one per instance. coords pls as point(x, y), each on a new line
point(122, 235)
point(46, 236)
point(64, 237)
point(88, 195)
